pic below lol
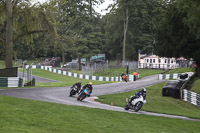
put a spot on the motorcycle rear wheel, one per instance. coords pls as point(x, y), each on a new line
point(126, 107)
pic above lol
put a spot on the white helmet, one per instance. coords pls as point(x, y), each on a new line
point(143, 89)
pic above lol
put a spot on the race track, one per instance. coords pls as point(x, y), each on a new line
point(61, 95)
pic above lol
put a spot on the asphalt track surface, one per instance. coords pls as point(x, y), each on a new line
point(61, 95)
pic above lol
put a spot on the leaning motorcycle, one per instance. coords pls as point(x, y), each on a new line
point(136, 104)
point(124, 78)
point(73, 90)
point(83, 94)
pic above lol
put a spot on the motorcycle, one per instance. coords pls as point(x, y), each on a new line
point(73, 90)
point(136, 104)
point(83, 94)
point(124, 78)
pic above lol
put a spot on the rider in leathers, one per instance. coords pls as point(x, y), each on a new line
point(78, 84)
point(89, 86)
point(138, 94)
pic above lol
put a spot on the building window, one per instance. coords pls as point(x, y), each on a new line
point(154, 60)
point(147, 60)
point(150, 60)
point(165, 60)
point(159, 60)
point(172, 61)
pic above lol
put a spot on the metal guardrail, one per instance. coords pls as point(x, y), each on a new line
point(189, 96)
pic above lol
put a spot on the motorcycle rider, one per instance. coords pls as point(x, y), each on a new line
point(138, 94)
point(78, 84)
point(89, 86)
point(122, 75)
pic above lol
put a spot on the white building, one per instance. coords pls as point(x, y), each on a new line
point(154, 61)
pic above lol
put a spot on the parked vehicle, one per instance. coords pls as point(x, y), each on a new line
point(136, 104)
point(83, 94)
point(73, 90)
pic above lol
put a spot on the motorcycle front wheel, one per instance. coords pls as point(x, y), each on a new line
point(82, 97)
point(78, 98)
point(72, 92)
point(138, 106)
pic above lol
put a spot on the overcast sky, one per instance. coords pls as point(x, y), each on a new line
point(101, 7)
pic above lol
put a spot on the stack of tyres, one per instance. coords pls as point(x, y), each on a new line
point(172, 88)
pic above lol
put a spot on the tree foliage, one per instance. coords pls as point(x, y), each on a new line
point(142, 23)
point(26, 19)
point(168, 28)
point(178, 33)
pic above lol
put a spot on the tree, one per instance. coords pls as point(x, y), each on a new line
point(9, 36)
point(77, 26)
point(138, 20)
point(178, 33)
point(22, 21)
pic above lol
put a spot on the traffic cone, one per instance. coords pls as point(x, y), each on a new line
point(111, 103)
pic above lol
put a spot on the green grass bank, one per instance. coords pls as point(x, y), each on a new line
point(20, 115)
point(155, 102)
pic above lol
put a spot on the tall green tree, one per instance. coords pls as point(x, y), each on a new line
point(22, 21)
point(9, 35)
point(178, 33)
point(79, 33)
point(138, 20)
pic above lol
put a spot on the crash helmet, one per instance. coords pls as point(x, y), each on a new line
point(90, 83)
point(143, 89)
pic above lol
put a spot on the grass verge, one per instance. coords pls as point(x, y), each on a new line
point(181, 70)
point(19, 115)
point(64, 80)
point(117, 72)
point(196, 86)
point(155, 102)
point(148, 72)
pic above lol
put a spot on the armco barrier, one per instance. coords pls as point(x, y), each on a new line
point(173, 76)
point(11, 82)
point(191, 97)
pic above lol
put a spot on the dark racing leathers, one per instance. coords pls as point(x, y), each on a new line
point(87, 86)
point(123, 75)
point(78, 85)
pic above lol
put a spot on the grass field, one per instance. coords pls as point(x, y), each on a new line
point(117, 72)
point(20, 115)
point(68, 81)
point(180, 70)
point(148, 72)
point(142, 72)
point(196, 86)
point(64, 80)
point(155, 102)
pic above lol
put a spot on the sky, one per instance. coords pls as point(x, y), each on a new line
point(101, 7)
point(104, 6)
